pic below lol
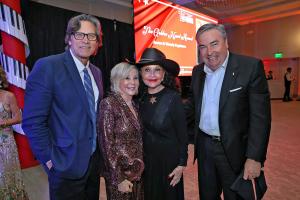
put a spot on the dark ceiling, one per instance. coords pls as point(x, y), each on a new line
point(242, 12)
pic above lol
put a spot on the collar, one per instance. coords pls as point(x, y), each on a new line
point(78, 63)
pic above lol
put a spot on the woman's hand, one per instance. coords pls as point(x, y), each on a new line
point(2, 122)
point(125, 186)
point(176, 175)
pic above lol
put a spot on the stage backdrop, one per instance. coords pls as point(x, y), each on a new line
point(46, 27)
point(170, 28)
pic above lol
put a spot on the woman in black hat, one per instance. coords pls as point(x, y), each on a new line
point(165, 131)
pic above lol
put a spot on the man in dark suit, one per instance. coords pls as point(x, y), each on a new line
point(287, 84)
point(59, 118)
point(230, 104)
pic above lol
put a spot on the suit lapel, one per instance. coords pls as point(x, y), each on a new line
point(199, 87)
point(98, 79)
point(134, 122)
point(77, 82)
point(229, 79)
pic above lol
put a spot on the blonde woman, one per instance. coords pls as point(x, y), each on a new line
point(120, 135)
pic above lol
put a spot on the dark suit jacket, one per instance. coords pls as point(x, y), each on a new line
point(56, 117)
point(244, 110)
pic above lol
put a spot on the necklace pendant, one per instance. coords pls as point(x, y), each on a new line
point(153, 100)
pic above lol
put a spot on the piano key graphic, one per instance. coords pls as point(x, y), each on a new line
point(12, 23)
point(16, 72)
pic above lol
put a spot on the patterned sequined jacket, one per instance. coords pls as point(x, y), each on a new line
point(120, 135)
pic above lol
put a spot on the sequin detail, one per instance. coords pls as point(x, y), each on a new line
point(120, 135)
point(11, 183)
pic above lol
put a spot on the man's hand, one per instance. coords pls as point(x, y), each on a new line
point(176, 174)
point(252, 169)
point(125, 186)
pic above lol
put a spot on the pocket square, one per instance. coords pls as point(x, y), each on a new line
point(235, 89)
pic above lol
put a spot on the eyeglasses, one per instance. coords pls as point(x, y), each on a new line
point(80, 36)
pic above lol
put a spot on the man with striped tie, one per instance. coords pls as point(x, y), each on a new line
point(61, 98)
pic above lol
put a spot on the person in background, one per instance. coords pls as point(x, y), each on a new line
point(11, 182)
point(61, 100)
point(288, 78)
point(120, 136)
point(165, 129)
point(230, 104)
point(270, 75)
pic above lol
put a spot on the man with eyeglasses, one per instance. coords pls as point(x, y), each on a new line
point(59, 118)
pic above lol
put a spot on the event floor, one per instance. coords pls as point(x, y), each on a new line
point(281, 168)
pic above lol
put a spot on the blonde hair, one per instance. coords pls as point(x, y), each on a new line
point(4, 83)
point(119, 72)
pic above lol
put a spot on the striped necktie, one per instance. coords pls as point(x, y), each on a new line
point(91, 99)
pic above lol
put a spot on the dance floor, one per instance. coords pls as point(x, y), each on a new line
point(282, 167)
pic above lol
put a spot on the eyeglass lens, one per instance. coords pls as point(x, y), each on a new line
point(80, 36)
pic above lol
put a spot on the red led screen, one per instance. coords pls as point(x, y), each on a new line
point(170, 28)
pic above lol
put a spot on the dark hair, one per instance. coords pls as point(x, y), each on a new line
point(4, 83)
point(74, 25)
point(210, 26)
point(169, 81)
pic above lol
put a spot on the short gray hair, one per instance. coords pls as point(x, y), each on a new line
point(210, 26)
point(119, 72)
point(74, 25)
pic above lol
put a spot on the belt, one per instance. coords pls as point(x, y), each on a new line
point(215, 138)
point(212, 137)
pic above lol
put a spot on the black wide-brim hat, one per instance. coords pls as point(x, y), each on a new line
point(153, 56)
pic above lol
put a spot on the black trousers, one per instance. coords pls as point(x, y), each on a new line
point(286, 95)
point(85, 188)
point(214, 172)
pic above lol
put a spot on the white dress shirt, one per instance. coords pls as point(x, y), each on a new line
point(209, 118)
point(80, 68)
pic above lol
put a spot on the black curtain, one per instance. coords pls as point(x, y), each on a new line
point(46, 26)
